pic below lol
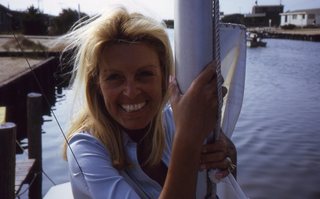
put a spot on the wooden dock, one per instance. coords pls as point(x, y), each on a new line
point(306, 34)
point(23, 173)
point(12, 68)
point(29, 171)
point(17, 79)
point(13, 63)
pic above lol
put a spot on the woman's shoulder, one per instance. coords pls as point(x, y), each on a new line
point(83, 141)
point(84, 136)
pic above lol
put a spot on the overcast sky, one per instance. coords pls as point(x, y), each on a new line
point(161, 8)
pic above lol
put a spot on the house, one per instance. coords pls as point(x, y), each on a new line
point(264, 16)
point(301, 18)
point(10, 20)
point(5, 19)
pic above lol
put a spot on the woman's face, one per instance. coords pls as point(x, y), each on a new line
point(130, 83)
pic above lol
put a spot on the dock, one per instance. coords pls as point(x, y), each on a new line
point(12, 68)
point(15, 173)
point(16, 51)
point(21, 82)
point(306, 34)
point(23, 171)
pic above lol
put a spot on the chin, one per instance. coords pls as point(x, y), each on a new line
point(135, 125)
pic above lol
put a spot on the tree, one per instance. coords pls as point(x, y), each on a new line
point(34, 22)
point(66, 19)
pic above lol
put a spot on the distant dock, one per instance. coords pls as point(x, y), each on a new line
point(11, 68)
point(306, 34)
point(31, 69)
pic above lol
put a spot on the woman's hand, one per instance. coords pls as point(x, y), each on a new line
point(196, 110)
point(219, 155)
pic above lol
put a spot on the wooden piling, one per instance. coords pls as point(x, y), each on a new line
point(34, 122)
point(7, 160)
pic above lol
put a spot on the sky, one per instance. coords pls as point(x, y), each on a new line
point(163, 9)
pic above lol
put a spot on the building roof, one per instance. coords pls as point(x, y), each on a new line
point(4, 8)
point(307, 11)
point(280, 5)
point(255, 15)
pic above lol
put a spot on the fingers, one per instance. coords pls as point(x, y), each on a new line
point(214, 156)
point(215, 161)
point(224, 167)
point(218, 145)
point(196, 109)
point(208, 75)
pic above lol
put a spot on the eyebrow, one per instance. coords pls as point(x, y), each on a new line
point(140, 68)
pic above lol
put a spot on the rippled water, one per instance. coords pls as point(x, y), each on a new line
point(278, 132)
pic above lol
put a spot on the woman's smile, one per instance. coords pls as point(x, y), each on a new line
point(133, 107)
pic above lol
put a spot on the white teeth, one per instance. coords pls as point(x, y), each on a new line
point(133, 107)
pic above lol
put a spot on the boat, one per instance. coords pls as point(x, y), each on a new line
point(196, 44)
point(254, 40)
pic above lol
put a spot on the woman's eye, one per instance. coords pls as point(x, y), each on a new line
point(146, 73)
point(113, 77)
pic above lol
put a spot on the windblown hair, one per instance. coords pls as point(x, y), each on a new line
point(87, 40)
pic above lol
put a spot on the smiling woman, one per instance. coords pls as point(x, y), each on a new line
point(127, 142)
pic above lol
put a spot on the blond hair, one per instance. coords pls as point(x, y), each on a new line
point(88, 39)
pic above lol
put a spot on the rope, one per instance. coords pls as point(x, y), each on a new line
point(216, 53)
point(30, 184)
point(26, 152)
point(211, 186)
point(20, 193)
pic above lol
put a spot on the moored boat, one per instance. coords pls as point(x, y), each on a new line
point(254, 40)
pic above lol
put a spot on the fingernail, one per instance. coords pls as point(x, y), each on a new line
point(219, 176)
point(172, 79)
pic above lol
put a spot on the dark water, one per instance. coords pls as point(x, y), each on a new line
point(278, 132)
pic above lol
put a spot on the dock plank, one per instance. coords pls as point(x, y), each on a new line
point(23, 172)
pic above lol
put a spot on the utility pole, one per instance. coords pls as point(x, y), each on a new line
point(79, 15)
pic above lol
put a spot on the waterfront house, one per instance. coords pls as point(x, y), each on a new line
point(5, 20)
point(301, 18)
point(264, 16)
point(10, 20)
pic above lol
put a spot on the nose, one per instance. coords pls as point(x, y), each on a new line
point(131, 89)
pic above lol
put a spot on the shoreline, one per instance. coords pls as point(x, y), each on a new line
point(305, 34)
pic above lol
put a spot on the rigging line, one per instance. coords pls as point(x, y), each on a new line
point(20, 193)
point(48, 177)
point(217, 57)
point(47, 102)
point(27, 153)
point(211, 186)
